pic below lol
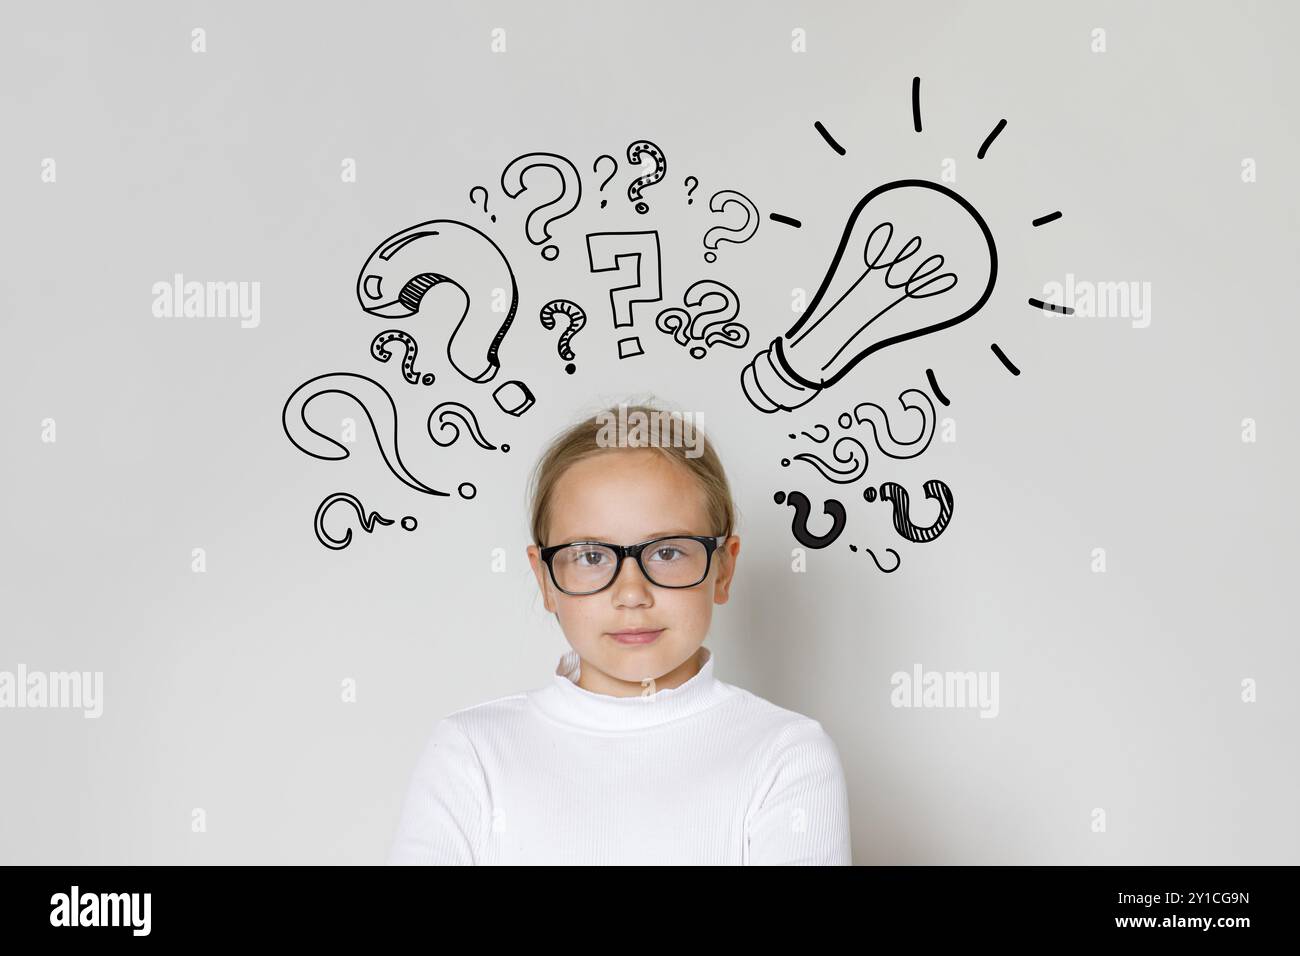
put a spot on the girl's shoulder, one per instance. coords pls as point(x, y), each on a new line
point(488, 712)
point(777, 724)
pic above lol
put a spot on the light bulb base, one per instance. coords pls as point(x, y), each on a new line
point(771, 385)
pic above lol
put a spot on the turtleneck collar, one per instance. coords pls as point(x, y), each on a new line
point(568, 703)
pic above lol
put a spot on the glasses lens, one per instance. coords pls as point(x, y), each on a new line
point(675, 562)
point(669, 562)
point(584, 567)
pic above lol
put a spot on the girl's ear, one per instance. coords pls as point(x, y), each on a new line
point(726, 559)
point(539, 570)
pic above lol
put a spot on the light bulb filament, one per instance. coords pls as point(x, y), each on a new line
point(879, 238)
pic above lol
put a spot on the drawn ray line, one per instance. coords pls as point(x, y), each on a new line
point(1003, 359)
point(934, 386)
point(1050, 307)
point(988, 141)
point(828, 137)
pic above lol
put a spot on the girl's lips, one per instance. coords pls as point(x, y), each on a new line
point(635, 637)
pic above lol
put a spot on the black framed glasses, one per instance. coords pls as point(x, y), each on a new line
point(673, 561)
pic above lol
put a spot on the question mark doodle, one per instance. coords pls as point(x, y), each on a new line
point(879, 420)
point(446, 413)
point(634, 153)
point(896, 495)
point(720, 201)
point(684, 325)
point(690, 188)
point(405, 266)
point(855, 457)
point(577, 319)
point(381, 350)
point(624, 253)
point(536, 226)
point(367, 522)
point(803, 508)
point(485, 198)
point(897, 559)
point(595, 168)
point(380, 412)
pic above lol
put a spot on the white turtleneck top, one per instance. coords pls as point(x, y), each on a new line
point(701, 773)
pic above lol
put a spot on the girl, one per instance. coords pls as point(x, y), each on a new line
point(635, 752)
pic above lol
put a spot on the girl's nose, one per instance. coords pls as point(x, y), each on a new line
point(631, 585)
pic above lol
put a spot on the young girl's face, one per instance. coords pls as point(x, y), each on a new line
point(629, 496)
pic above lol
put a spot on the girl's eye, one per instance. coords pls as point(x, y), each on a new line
point(585, 554)
point(665, 549)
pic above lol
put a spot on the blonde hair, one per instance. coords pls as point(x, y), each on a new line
point(584, 440)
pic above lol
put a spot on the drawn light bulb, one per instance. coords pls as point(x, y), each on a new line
point(886, 284)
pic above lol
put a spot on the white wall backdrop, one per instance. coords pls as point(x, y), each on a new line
point(1121, 553)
